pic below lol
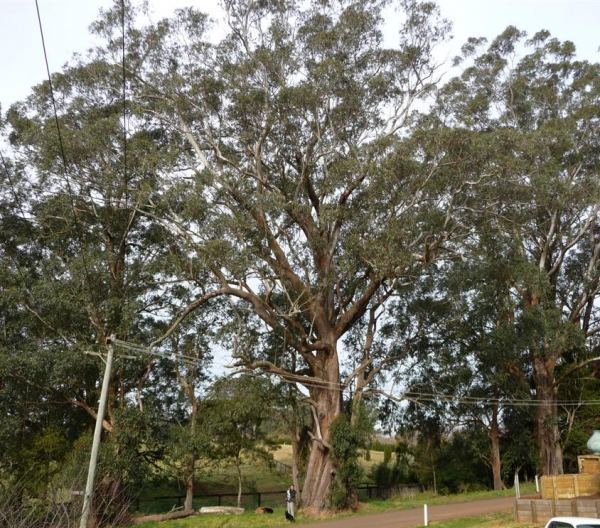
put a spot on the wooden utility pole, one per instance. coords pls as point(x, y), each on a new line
point(89, 487)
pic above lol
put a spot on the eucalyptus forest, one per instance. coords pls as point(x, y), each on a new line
point(369, 240)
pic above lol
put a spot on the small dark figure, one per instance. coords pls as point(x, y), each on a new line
point(290, 499)
point(263, 509)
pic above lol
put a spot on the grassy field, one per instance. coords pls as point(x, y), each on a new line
point(377, 506)
point(260, 477)
point(504, 520)
point(252, 520)
point(284, 454)
point(222, 479)
point(247, 520)
point(499, 520)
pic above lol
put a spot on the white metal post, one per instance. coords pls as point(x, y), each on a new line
point(517, 486)
point(537, 484)
point(89, 487)
point(425, 515)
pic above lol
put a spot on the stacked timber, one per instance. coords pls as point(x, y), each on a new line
point(565, 495)
point(570, 486)
point(540, 510)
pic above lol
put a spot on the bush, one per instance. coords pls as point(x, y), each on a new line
point(347, 440)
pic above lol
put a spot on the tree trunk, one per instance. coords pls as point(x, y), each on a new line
point(495, 460)
point(189, 481)
point(189, 486)
point(238, 465)
point(327, 407)
point(433, 472)
point(162, 517)
point(546, 418)
point(295, 460)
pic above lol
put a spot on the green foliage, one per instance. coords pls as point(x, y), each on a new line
point(519, 450)
point(232, 416)
point(284, 167)
point(348, 438)
point(136, 443)
point(461, 467)
point(401, 471)
point(387, 454)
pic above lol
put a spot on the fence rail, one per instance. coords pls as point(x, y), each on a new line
point(264, 498)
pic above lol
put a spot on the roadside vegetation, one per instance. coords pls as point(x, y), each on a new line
point(251, 519)
point(386, 257)
point(488, 521)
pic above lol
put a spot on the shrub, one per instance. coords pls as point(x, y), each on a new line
point(347, 440)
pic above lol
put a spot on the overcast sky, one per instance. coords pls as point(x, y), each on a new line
point(66, 29)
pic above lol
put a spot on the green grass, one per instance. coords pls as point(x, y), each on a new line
point(283, 453)
point(222, 479)
point(247, 520)
point(218, 479)
point(498, 520)
point(252, 520)
point(376, 506)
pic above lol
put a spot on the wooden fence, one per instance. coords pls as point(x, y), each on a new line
point(570, 486)
point(260, 498)
point(540, 510)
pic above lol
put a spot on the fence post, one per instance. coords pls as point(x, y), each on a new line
point(369, 492)
point(258, 494)
point(219, 500)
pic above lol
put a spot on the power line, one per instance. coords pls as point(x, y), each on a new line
point(107, 372)
point(140, 349)
point(414, 396)
point(509, 402)
point(60, 139)
point(62, 151)
point(423, 397)
point(420, 397)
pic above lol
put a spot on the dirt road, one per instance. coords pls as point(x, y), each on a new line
point(414, 517)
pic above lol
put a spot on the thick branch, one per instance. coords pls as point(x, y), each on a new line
point(356, 311)
point(106, 425)
point(575, 368)
point(187, 311)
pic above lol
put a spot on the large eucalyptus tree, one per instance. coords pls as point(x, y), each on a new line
point(302, 197)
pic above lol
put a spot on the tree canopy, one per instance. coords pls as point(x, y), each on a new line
point(321, 207)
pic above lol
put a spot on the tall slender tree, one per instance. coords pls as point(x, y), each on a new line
point(532, 108)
